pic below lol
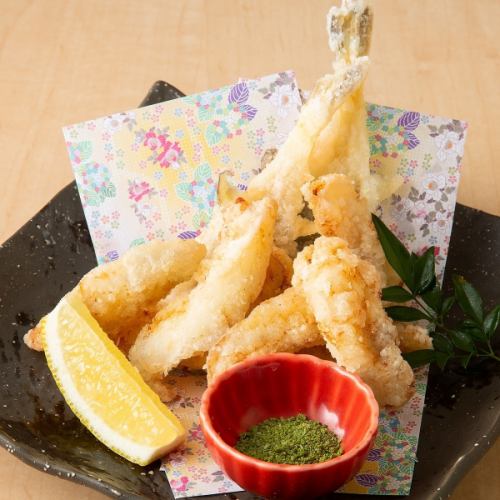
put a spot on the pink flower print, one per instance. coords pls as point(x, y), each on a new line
point(196, 433)
point(137, 190)
point(153, 141)
point(76, 157)
point(171, 155)
point(180, 484)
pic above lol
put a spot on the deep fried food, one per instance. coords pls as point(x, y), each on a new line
point(413, 337)
point(228, 281)
point(349, 29)
point(281, 324)
point(122, 295)
point(330, 135)
point(278, 276)
point(340, 211)
point(343, 292)
point(290, 169)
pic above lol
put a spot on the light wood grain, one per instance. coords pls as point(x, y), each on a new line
point(64, 61)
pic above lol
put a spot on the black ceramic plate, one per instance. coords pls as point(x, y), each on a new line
point(51, 252)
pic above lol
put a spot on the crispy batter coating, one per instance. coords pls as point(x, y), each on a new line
point(281, 324)
point(413, 337)
point(228, 281)
point(122, 295)
point(340, 211)
point(278, 276)
point(343, 292)
point(331, 134)
point(290, 169)
point(342, 147)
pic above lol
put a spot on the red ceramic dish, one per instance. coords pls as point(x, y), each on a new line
point(283, 385)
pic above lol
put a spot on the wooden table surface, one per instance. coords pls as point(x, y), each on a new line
point(64, 61)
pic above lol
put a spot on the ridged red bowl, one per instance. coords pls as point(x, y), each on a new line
point(284, 385)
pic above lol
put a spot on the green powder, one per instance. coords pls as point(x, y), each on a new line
point(295, 440)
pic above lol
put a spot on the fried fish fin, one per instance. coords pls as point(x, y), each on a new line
point(343, 291)
point(122, 295)
point(281, 324)
point(228, 281)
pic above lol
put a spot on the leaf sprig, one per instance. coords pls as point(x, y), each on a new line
point(471, 338)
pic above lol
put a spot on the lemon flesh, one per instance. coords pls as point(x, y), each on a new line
point(103, 389)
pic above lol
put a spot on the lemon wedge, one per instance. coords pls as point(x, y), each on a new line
point(103, 389)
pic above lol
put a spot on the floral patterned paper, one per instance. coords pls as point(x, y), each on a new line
point(150, 173)
point(428, 151)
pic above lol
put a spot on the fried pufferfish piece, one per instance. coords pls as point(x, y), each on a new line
point(281, 324)
point(343, 292)
point(198, 313)
point(122, 295)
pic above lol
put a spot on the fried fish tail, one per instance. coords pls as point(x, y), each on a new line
point(349, 29)
point(228, 281)
point(343, 291)
point(281, 324)
point(122, 295)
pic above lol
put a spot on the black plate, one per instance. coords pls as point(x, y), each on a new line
point(51, 252)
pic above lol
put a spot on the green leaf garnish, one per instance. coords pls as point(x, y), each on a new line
point(433, 298)
point(396, 253)
point(441, 343)
point(420, 358)
point(447, 305)
point(424, 273)
point(462, 341)
point(403, 313)
point(396, 294)
point(471, 338)
point(468, 299)
point(491, 321)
